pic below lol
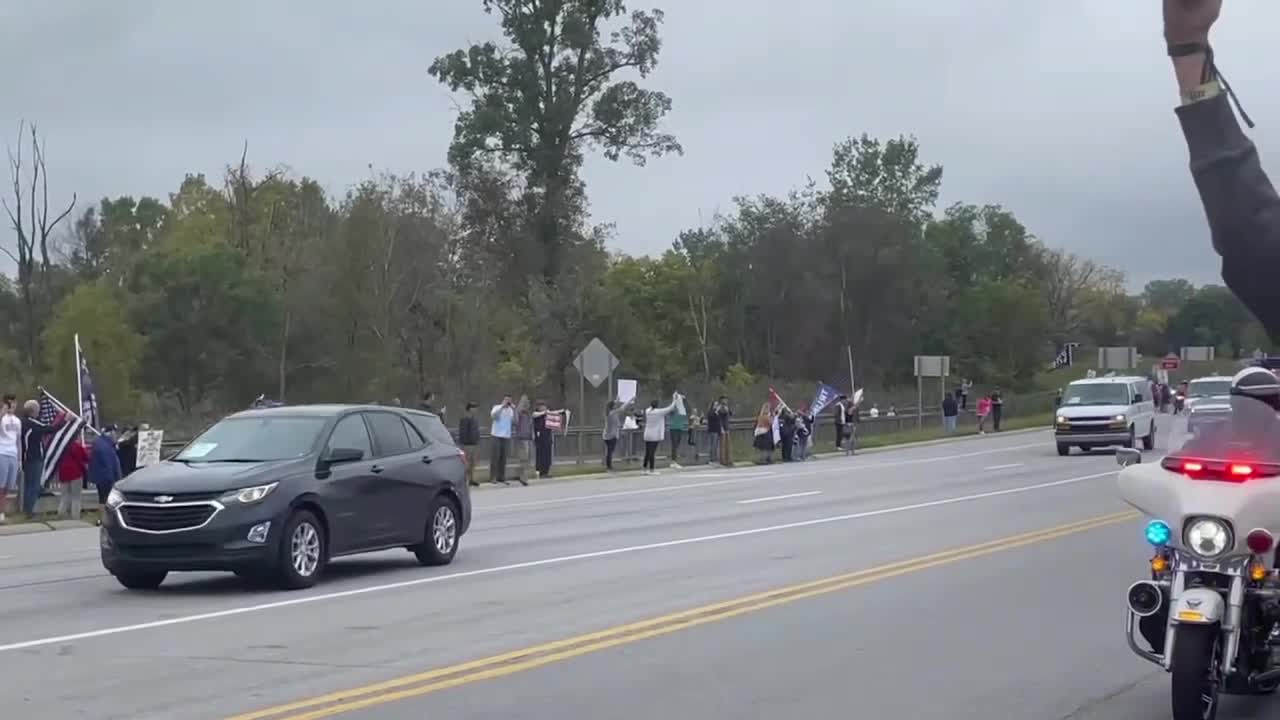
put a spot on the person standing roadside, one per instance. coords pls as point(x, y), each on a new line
point(71, 471)
point(10, 442)
point(984, 409)
point(613, 418)
point(33, 435)
point(997, 409)
point(503, 416)
point(469, 439)
point(841, 420)
point(523, 437)
point(543, 442)
point(655, 425)
point(726, 444)
point(677, 426)
point(712, 420)
point(950, 412)
point(104, 464)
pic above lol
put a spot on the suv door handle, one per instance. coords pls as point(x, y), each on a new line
point(376, 469)
point(426, 459)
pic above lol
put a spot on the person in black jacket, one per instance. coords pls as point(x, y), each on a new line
point(1239, 200)
point(469, 439)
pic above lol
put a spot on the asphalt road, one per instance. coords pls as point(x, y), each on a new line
point(977, 579)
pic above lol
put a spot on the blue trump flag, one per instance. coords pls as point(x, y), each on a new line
point(827, 394)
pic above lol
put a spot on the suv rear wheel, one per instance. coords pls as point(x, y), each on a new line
point(441, 541)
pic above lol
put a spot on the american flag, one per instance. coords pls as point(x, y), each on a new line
point(55, 411)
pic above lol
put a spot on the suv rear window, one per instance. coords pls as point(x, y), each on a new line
point(431, 428)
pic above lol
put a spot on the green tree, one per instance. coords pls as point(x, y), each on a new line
point(1168, 296)
point(206, 316)
point(550, 94)
point(99, 314)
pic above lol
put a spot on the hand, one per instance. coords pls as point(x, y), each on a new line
point(1188, 21)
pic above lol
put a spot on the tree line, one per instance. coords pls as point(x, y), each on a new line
point(488, 275)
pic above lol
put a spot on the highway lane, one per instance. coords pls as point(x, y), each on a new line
point(550, 562)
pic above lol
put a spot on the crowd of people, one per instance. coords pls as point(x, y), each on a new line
point(96, 457)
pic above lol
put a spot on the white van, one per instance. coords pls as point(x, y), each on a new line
point(1106, 411)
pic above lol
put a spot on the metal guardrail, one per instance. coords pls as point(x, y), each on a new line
point(586, 444)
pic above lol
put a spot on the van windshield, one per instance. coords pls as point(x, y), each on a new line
point(1096, 394)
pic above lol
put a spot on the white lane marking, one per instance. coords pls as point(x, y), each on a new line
point(1004, 467)
point(231, 612)
point(780, 497)
point(722, 473)
point(830, 466)
point(6, 557)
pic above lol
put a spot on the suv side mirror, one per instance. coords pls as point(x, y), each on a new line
point(1128, 456)
point(338, 456)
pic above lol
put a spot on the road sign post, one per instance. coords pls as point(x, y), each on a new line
point(595, 363)
point(932, 366)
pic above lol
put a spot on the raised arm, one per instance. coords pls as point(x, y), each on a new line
point(1240, 203)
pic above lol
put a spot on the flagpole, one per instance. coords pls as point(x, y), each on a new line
point(79, 385)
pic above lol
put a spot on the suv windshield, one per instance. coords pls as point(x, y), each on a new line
point(1208, 388)
point(254, 439)
point(1096, 394)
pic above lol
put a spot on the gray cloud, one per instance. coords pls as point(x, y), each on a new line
point(1060, 111)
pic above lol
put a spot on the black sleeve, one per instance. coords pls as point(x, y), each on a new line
point(1240, 203)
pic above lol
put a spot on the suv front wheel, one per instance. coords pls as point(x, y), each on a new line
point(303, 551)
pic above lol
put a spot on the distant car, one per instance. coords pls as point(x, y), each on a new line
point(1212, 389)
point(275, 493)
point(1106, 411)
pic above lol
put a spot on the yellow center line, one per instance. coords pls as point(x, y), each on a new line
point(548, 653)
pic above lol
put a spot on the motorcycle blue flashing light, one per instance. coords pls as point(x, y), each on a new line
point(1158, 533)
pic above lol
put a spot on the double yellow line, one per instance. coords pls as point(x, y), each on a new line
point(539, 655)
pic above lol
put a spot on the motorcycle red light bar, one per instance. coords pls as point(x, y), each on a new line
point(1221, 470)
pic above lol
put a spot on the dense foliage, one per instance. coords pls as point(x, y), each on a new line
point(487, 276)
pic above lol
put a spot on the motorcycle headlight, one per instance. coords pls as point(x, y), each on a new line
point(1207, 537)
point(249, 495)
point(115, 499)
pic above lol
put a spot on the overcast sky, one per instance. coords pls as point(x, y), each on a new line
point(1059, 110)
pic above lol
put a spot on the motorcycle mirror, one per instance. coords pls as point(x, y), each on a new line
point(1128, 456)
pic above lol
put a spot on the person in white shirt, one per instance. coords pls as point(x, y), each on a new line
point(655, 429)
point(503, 416)
point(10, 437)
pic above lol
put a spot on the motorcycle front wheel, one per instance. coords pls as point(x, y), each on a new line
point(1195, 673)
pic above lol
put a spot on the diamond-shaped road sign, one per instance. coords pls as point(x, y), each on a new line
point(596, 363)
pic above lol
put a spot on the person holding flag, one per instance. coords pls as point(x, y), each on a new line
point(764, 441)
point(41, 420)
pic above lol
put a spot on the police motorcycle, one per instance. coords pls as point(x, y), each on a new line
point(1209, 610)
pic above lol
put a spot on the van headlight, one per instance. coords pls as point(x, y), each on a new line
point(1119, 421)
point(249, 495)
point(1062, 421)
point(1207, 537)
point(115, 499)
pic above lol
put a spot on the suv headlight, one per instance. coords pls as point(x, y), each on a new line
point(115, 499)
point(249, 495)
point(1208, 537)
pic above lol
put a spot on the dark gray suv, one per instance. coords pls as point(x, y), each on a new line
point(276, 493)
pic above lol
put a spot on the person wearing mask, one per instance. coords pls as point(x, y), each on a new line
point(542, 440)
point(655, 425)
point(614, 416)
point(71, 471)
point(503, 417)
point(1240, 203)
point(523, 439)
point(469, 439)
point(950, 413)
point(10, 442)
point(104, 463)
point(677, 427)
point(32, 445)
point(997, 409)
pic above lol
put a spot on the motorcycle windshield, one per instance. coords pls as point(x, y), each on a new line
point(1229, 469)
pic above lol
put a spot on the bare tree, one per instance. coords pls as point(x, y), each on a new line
point(30, 218)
